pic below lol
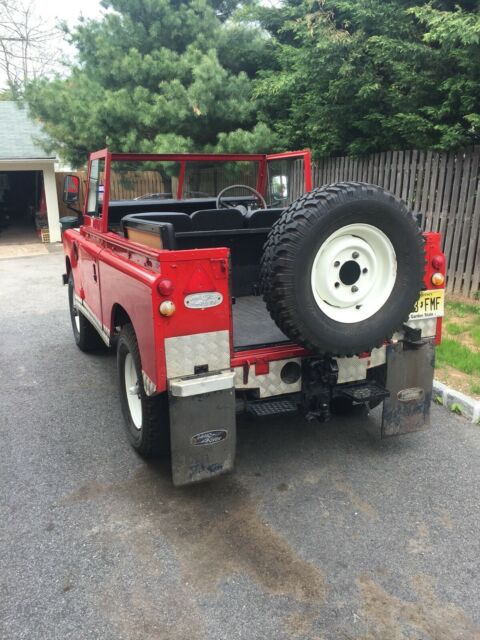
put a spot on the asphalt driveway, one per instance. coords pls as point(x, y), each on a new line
point(324, 531)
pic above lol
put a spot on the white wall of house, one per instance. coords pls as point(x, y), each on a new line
point(48, 169)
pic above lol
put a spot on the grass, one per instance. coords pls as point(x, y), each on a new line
point(461, 309)
point(475, 333)
point(455, 329)
point(458, 356)
point(475, 389)
point(454, 354)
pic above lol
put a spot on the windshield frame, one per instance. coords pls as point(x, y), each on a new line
point(100, 222)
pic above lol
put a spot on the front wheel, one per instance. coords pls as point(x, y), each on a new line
point(146, 417)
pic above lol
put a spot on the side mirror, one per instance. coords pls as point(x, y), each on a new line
point(71, 189)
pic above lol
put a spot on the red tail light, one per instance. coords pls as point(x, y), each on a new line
point(438, 263)
point(165, 287)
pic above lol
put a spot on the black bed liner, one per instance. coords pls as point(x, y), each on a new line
point(252, 324)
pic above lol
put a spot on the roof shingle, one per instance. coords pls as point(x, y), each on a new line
point(19, 134)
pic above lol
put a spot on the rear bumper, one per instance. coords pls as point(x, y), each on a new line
point(203, 407)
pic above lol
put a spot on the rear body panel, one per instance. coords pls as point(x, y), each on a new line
point(128, 275)
point(193, 340)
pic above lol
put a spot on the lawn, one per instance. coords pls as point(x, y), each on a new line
point(458, 357)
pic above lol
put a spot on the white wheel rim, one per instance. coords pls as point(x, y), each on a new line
point(133, 391)
point(75, 315)
point(354, 273)
point(76, 318)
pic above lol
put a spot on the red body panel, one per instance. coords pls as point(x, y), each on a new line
point(128, 276)
point(433, 248)
point(88, 254)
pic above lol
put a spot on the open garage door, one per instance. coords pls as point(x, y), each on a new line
point(23, 212)
point(28, 206)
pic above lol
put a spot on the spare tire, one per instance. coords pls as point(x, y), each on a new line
point(342, 268)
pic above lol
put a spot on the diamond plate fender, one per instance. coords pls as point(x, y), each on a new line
point(183, 353)
point(409, 380)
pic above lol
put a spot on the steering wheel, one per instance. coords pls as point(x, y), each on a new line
point(226, 205)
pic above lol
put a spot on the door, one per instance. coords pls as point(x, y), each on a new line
point(289, 176)
point(89, 249)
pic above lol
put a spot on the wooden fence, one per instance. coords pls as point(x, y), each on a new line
point(443, 187)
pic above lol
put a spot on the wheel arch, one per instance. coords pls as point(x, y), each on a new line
point(119, 317)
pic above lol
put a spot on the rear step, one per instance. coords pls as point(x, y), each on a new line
point(364, 392)
point(266, 408)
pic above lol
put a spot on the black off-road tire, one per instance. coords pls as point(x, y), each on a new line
point(85, 335)
point(152, 439)
point(295, 240)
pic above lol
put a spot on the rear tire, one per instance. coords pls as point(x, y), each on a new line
point(85, 335)
point(342, 268)
point(146, 417)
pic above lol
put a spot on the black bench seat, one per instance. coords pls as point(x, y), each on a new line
point(209, 228)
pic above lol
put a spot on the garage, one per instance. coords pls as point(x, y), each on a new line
point(28, 195)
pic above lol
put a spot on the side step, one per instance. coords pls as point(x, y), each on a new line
point(361, 393)
point(266, 408)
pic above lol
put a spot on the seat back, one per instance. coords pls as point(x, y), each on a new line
point(120, 208)
point(217, 219)
point(180, 221)
point(204, 229)
point(262, 218)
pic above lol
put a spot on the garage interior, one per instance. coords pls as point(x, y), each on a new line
point(23, 214)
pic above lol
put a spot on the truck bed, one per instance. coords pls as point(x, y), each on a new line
point(252, 324)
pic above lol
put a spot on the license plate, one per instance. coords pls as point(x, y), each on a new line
point(430, 304)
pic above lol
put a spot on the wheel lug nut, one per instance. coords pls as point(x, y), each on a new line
point(355, 255)
point(336, 263)
point(354, 289)
point(364, 270)
point(337, 284)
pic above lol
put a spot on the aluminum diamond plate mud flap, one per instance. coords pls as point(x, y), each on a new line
point(409, 380)
point(202, 426)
